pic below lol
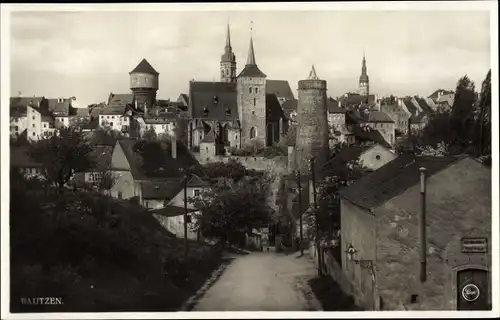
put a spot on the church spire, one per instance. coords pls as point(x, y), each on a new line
point(228, 38)
point(363, 66)
point(251, 53)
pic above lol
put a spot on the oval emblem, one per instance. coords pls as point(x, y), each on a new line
point(470, 292)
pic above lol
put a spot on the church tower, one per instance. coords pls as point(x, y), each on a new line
point(228, 61)
point(312, 123)
point(364, 81)
point(251, 88)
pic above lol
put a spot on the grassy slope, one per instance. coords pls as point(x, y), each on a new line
point(98, 255)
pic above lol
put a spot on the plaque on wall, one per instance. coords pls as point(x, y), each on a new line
point(474, 245)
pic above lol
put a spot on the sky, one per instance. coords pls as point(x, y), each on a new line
point(89, 54)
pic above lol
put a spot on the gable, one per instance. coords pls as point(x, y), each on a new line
point(118, 159)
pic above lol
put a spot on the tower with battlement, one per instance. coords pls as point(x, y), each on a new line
point(312, 123)
point(144, 84)
point(228, 61)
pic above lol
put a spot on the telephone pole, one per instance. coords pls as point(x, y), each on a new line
point(313, 176)
point(297, 173)
point(186, 175)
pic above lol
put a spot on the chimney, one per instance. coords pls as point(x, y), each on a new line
point(422, 228)
point(400, 102)
point(174, 146)
point(440, 93)
point(135, 105)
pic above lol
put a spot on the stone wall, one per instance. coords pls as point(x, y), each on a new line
point(458, 204)
point(252, 107)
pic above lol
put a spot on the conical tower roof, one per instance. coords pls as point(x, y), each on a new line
point(312, 74)
point(145, 67)
point(251, 69)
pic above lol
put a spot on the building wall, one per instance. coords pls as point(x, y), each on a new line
point(143, 80)
point(358, 229)
point(228, 71)
point(376, 157)
point(458, 205)
point(176, 226)
point(159, 128)
point(252, 107)
point(61, 122)
point(178, 200)
point(114, 122)
point(400, 118)
point(386, 129)
point(207, 151)
point(125, 186)
point(34, 124)
point(18, 125)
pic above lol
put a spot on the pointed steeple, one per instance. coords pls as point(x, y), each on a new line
point(251, 54)
point(363, 65)
point(228, 37)
point(312, 74)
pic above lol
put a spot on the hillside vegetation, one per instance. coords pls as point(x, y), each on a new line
point(98, 254)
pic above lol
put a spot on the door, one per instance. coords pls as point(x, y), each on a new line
point(472, 290)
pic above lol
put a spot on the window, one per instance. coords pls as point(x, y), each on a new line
point(120, 195)
point(107, 117)
point(33, 117)
point(33, 134)
point(33, 125)
point(253, 112)
point(17, 128)
point(236, 137)
point(45, 125)
point(253, 133)
point(111, 123)
point(145, 203)
point(196, 192)
point(250, 90)
point(377, 157)
point(256, 90)
point(254, 100)
point(205, 112)
point(228, 112)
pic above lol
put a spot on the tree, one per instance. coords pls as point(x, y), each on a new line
point(232, 169)
point(62, 155)
point(106, 181)
point(150, 135)
point(484, 121)
point(328, 200)
point(463, 112)
point(105, 136)
point(229, 209)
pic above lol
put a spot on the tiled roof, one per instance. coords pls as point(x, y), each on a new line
point(251, 70)
point(204, 106)
point(369, 135)
point(410, 106)
point(20, 158)
point(161, 190)
point(171, 211)
point(289, 107)
point(162, 118)
point(419, 118)
point(60, 106)
point(18, 105)
point(281, 88)
point(92, 125)
point(423, 104)
point(209, 137)
point(392, 179)
point(353, 99)
point(345, 155)
point(101, 155)
point(127, 146)
point(80, 112)
point(333, 106)
point(435, 94)
point(197, 182)
point(391, 108)
point(120, 99)
point(374, 116)
point(273, 108)
point(144, 67)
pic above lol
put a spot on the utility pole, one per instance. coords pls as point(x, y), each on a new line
point(313, 176)
point(186, 175)
point(300, 211)
point(481, 140)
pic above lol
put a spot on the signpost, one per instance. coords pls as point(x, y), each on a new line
point(474, 245)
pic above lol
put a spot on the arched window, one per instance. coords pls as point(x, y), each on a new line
point(253, 133)
point(254, 102)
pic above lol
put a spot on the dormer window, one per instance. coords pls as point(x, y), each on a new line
point(228, 112)
point(205, 112)
point(215, 99)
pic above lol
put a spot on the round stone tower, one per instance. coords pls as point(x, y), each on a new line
point(312, 123)
point(144, 84)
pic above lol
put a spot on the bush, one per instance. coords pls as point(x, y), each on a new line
point(98, 255)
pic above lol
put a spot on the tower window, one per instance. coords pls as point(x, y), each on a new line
point(253, 133)
point(215, 99)
point(205, 112)
point(256, 90)
point(250, 90)
point(228, 112)
point(254, 100)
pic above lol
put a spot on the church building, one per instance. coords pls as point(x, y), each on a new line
point(239, 109)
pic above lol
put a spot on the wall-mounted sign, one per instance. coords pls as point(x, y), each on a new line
point(474, 245)
point(470, 292)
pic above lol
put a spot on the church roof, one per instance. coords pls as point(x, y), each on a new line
point(251, 69)
point(281, 88)
point(213, 100)
point(145, 67)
